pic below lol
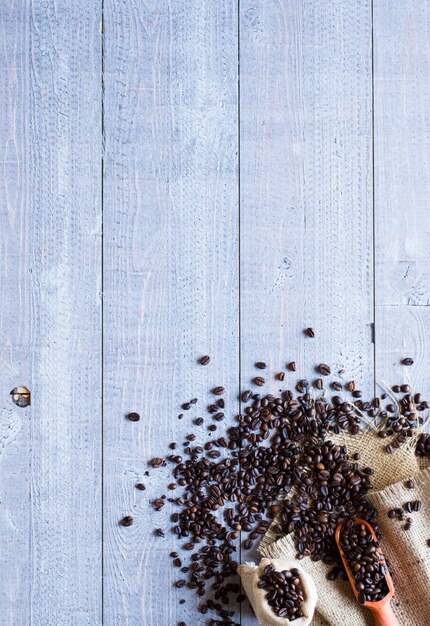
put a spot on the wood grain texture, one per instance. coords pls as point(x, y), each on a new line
point(171, 272)
point(402, 188)
point(306, 217)
point(63, 243)
point(15, 354)
point(306, 189)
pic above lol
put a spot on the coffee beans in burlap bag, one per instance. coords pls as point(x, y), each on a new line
point(406, 549)
point(251, 574)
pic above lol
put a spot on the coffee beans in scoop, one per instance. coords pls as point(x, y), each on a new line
point(284, 591)
point(365, 561)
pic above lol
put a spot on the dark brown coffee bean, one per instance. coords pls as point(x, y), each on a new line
point(259, 381)
point(407, 361)
point(324, 369)
point(319, 383)
point(126, 521)
point(218, 391)
point(156, 462)
point(280, 376)
point(133, 417)
point(309, 332)
point(140, 486)
point(158, 532)
point(336, 386)
point(261, 365)
point(205, 360)
point(246, 395)
point(410, 484)
point(292, 366)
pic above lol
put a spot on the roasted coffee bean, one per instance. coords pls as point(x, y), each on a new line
point(198, 421)
point(324, 369)
point(133, 417)
point(365, 560)
point(186, 406)
point(205, 360)
point(126, 521)
point(140, 486)
point(158, 532)
point(220, 403)
point(292, 366)
point(156, 462)
point(246, 395)
point(259, 381)
point(319, 383)
point(193, 401)
point(407, 361)
point(158, 504)
point(261, 365)
point(336, 386)
point(410, 484)
point(350, 386)
point(283, 591)
point(416, 505)
point(280, 376)
point(309, 332)
point(405, 388)
point(218, 391)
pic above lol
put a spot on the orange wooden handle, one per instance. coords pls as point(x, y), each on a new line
point(383, 615)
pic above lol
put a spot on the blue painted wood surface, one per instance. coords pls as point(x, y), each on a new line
point(265, 168)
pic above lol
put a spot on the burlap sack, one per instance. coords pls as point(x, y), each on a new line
point(250, 575)
point(407, 550)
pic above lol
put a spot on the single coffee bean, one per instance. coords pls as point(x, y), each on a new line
point(324, 369)
point(280, 376)
point(292, 366)
point(140, 486)
point(259, 381)
point(126, 521)
point(309, 332)
point(246, 395)
point(158, 532)
point(350, 386)
point(205, 360)
point(319, 383)
point(133, 417)
point(261, 365)
point(336, 386)
point(407, 361)
point(410, 484)
point(218, 391)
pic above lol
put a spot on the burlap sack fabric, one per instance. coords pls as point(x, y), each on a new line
point(407, 550)
point(250, 575)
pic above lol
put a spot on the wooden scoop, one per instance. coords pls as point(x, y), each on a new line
point(382, 612)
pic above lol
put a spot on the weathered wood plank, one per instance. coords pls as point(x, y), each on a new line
point(402, 188)
point(15, 358)
point(306, 187)
point(64, 243)
point(171, 271)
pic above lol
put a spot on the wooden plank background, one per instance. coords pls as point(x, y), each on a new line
point(180, 177)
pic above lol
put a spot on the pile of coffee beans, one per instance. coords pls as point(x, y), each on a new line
point(423, 445)
point(365, 562)
point(276, 460)
point(284, 591)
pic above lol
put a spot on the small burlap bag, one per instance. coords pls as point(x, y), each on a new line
point(250, 575)
point(407, 550)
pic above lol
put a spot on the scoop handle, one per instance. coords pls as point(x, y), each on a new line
point(384, 616)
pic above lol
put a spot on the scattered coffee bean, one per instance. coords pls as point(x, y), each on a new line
point(246, 395)
point(133, 417)
point(407, 361)
point(324, 369)
point(261, 365)
point(410, 484)
point(336, 386)
point(205, 360)
point(280, 376)
point(309, 332)
point(218, 391)
point(259, 381)
point(126, 521)
point(158, 532)
point(350, 386)
point(140, 486)
point(319, 383)
point(156, 462)
point(292, 366)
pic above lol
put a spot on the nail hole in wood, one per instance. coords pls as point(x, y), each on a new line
point(21, 396)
